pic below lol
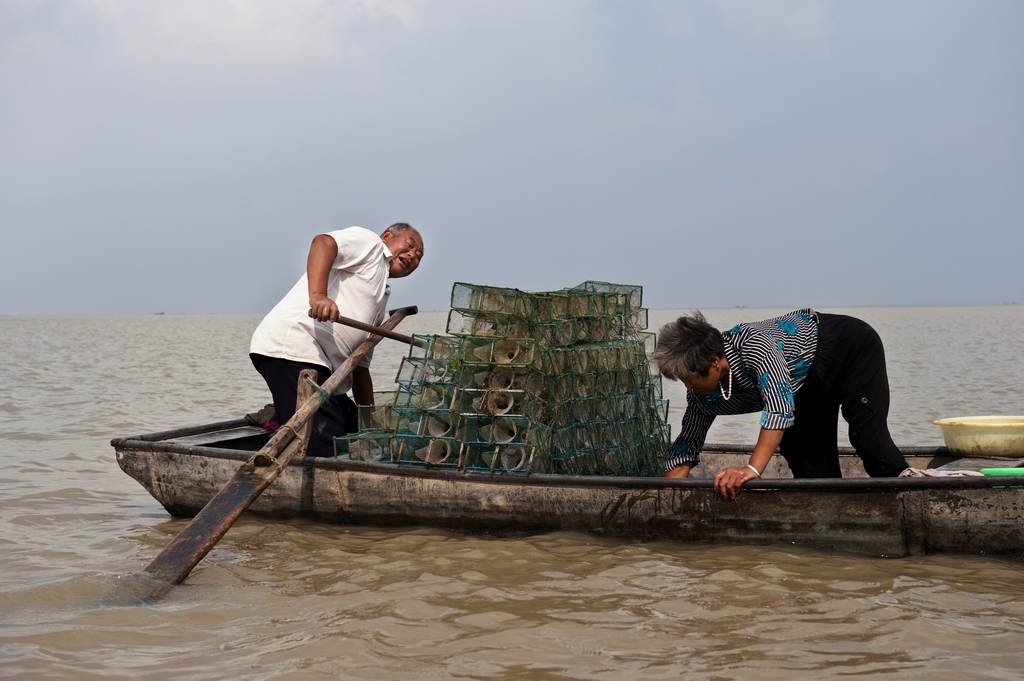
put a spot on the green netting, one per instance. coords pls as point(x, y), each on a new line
point(556, 382)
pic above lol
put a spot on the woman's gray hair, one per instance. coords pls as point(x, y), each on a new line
point(687, 346)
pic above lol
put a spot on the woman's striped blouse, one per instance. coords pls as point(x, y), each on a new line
point(769, 362)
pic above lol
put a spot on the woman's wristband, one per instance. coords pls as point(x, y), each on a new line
point(751, 467)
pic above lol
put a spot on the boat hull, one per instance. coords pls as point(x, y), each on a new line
point(885, 517)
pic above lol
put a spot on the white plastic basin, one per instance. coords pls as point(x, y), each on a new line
point(984, 435)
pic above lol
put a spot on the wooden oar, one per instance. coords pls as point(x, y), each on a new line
point(176, 561)
point(369, 328)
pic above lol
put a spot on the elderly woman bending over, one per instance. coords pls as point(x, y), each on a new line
point(798, 370)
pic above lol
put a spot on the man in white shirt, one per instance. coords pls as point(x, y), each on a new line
point(346, 275)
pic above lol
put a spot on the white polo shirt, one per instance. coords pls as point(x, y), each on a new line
point(357, 283)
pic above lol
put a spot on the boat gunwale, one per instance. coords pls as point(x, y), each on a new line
point(158, 442)
point(182, 432)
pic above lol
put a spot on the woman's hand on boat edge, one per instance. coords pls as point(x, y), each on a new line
point(729, 480)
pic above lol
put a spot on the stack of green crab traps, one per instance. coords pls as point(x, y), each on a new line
point(554, 382)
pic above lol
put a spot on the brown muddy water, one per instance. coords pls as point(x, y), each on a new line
point(300, 600)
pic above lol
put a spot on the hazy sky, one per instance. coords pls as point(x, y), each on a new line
point(179, 156)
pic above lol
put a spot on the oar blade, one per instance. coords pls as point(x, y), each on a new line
point(136, 588)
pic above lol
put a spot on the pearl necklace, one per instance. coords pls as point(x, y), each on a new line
point(724, 396)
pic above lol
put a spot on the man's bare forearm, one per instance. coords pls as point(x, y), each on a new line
point(322, 254)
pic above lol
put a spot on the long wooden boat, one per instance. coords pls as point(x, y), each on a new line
point(184, 468)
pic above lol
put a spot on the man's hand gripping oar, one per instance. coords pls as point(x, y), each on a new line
point(370, 328)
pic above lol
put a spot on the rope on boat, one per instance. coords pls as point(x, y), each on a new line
point(321, 394)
